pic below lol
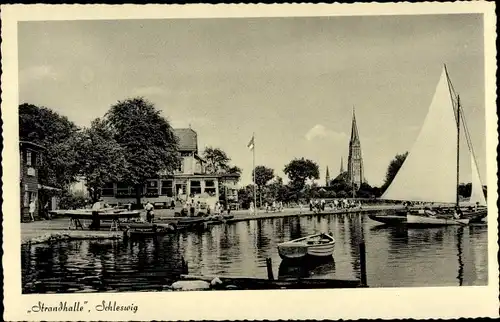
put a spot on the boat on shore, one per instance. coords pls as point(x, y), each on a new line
point(426, 175)
point(318, 245)
point(104, 214)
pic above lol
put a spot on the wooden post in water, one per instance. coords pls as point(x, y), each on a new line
point(362, 262)
point(269, 265)
point(185, 268)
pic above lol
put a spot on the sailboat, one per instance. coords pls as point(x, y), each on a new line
point(428, 175)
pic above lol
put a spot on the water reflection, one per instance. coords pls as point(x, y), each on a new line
point(318, 268)
point(395, 256)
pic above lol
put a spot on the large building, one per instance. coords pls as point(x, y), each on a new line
point(189, 180)
point(30, 158)
point(355, 173)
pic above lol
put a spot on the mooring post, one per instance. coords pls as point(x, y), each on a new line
point(125, 235)
point(362, 262)
point(269, 265)
point(185, 268)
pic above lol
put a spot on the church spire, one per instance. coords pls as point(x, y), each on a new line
point(327, 177)
point(354, 128)
point(355, 173)
point(341, 165)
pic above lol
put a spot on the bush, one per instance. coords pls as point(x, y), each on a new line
point(70, 201)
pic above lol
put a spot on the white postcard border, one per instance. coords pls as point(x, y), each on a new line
point(435, 302)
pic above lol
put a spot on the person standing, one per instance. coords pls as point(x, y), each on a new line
point(149, 212)
point(192, 206)
point(96, 222)
point(32, 207)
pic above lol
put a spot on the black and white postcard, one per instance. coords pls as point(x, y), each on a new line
point(253, 162)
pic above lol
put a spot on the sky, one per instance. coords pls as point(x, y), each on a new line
point(292, 81)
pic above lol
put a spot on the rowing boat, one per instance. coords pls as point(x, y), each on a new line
point(319, 245)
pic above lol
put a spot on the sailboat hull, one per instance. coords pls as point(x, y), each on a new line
point(424, 220)
point(389, 219)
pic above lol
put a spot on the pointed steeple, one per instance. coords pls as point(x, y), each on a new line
point(327, 177)
point(354, 128)
point(341, 165)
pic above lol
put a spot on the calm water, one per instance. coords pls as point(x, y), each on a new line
point(447, 256)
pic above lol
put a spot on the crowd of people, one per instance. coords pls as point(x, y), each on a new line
point(316, 205)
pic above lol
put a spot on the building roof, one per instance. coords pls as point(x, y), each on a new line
point(32, 145)
point(188, 139)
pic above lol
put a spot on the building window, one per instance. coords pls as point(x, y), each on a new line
point(166, 188)
point(122, 189)
point(152, 187)
point(210, 187)
point(108, 190)
point(195, 187)
point(28, 158)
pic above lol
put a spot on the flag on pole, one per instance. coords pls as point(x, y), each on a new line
point(251, 143)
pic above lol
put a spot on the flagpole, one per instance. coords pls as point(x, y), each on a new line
point(254, 186)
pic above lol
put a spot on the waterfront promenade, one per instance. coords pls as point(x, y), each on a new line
point(39, 230)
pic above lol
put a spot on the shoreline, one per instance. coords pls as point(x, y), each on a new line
point(44, 231)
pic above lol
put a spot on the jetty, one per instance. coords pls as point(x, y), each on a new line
point(216, 282)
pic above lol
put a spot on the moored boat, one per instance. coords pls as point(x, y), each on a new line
point(397, 219)
point(145, 233)
point(319, 245)
point(429, 220)
point(426, 175)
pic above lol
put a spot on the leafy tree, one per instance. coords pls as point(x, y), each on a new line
point(148, 141)
point(101, 158)
point(217, 160)
point(465, 190)
point(58, 135)
point(299, 170)
point(393, 169)
point(261, 176)
point(234, 170)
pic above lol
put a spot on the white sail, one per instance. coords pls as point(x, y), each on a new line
point(477, 193)
point(429, 172)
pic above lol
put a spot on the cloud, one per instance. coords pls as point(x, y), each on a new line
point(321, 132)
point(38, 73)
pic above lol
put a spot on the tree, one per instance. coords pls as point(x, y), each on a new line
point(217, 160)
point(234, 170)
point(148, 141)
point(393, 169)
point(100, 158)
point(261, 175)
point(299, 170)
point(58, 135)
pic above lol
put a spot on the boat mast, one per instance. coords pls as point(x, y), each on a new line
point(458, 145)
point(452, 96)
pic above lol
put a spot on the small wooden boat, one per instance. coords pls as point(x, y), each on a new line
point(319, 245)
